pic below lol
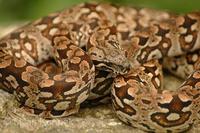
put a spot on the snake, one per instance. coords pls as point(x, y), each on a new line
point(54, 64)
point(138, 97)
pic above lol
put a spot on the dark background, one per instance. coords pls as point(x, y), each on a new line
point(12, 11)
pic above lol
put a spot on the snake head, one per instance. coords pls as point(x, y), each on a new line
point(105, 51)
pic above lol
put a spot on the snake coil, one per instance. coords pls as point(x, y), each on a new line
point(57, 62)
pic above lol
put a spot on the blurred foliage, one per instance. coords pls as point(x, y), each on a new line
point(22, 10)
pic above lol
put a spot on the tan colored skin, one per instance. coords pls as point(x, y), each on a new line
point(120, 41)
point(35, 89)
point(138, 97)
point(83, 22)
point(183, 65)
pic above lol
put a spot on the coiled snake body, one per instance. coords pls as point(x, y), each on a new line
point(55, 63)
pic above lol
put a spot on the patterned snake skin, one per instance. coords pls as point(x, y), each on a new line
point(54, 64)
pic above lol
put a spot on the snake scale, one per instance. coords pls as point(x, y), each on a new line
point(83, 53)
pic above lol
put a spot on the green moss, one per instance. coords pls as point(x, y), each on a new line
point(20, 10)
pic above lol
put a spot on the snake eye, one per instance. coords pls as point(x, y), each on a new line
point(114, 44)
